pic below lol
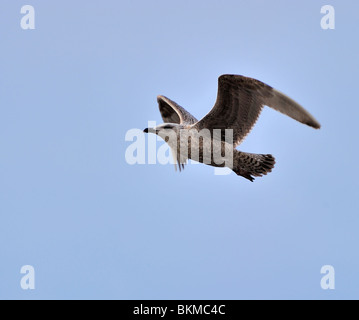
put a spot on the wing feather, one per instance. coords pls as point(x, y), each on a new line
point(240, 101)
point(171, 112)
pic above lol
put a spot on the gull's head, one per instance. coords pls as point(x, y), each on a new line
point(169, 132)
point(165, 129)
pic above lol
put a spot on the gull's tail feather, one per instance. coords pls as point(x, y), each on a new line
point(250, 165)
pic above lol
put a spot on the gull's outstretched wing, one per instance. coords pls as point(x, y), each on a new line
point(171, 112)
point(240, 101)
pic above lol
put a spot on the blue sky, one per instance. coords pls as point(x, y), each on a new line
point(94, 227)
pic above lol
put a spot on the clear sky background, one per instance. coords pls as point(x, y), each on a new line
point(95, 227)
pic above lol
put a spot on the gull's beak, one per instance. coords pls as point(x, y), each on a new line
point(150, 130)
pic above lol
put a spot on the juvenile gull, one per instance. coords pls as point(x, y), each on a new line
point(240, 101)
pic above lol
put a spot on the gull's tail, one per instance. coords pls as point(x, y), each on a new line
point(250, 165)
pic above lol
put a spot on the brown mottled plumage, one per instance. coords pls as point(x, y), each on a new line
point(240, 101)
point(171, 112)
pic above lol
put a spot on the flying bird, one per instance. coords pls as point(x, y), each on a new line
point(239, 103)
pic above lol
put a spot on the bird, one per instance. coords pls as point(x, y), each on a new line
point(239, 103)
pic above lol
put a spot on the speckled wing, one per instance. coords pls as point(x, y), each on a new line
point(240, 101)
point(171, 112)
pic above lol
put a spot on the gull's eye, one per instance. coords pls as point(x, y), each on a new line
point(167, 127)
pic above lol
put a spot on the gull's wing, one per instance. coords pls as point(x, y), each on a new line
point(171, 112)
point(240, 100)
